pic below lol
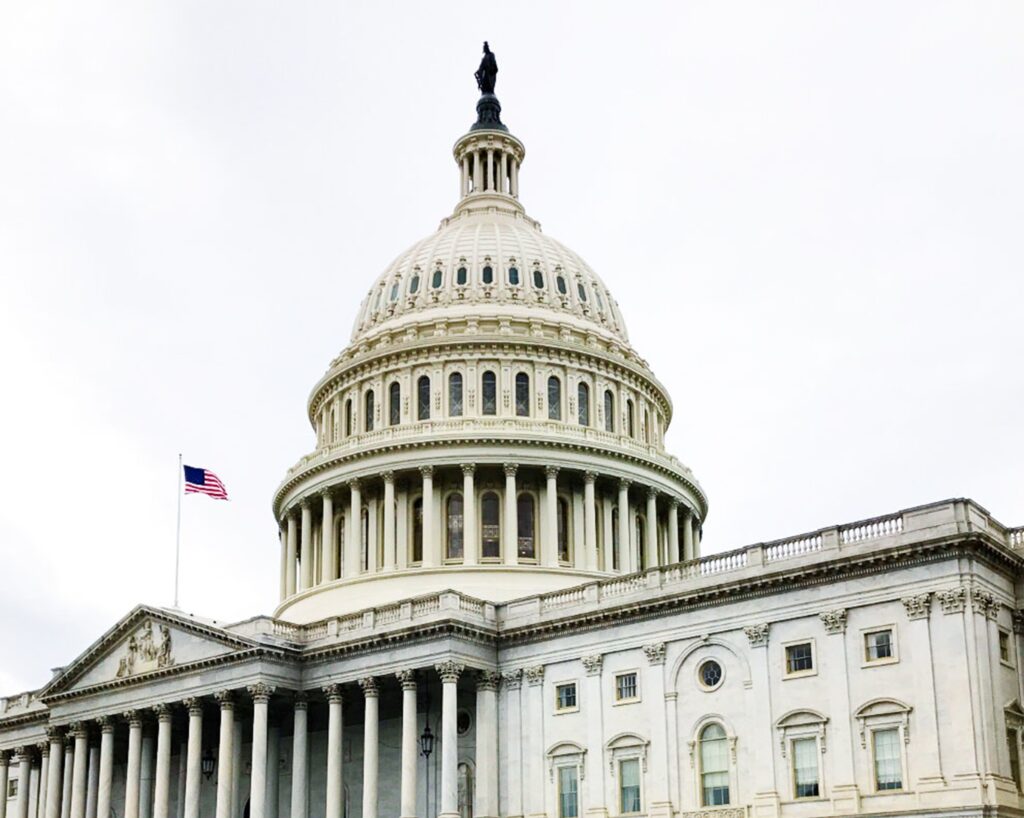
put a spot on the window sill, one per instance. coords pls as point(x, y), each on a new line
point(634, 700)
point(800, 674)
point(561, 711)
point(892, 660)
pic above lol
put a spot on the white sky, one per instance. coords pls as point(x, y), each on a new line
point(810, 213)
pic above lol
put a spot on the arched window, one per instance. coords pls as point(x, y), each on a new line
point(417, 530)
point(560, 283)
point(609, 411)
point(583, 404)
point(714, 766)
point(461, 276)
point(490, 526)
point(368, 423)
point(538, 279)
point(453, 528)
point(489, 393)
point(487, 274)
point(647, 426)
point(423, 398)
point(395, 403)
point(348, 417)
point(525, 519)
point(630, 423)
point(522, 394)
point(563, 530)
point(414, 284)
point(615, 539)
point(513, 276)
point(554, 398)
point(455, 395)
point(437, 278)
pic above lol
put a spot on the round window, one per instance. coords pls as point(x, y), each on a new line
point(710, 674)
point(463, 721)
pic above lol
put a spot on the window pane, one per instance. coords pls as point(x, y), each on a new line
point(554, 398)
point(461, 276)
point(582, 291)
point(805, 767)
point(438, 277)
point(1013, 742)
point(455, 395)
point(395, 403)
point(714, 766)
point(609, 411)
point(455, 533)
point(798, 658)
point(489, 384)
point(369, 411)
point(513, 276)
point(630, 425)
point(423, 398)
point(879, 645)
point(522, 394)
point(560, 282)
point(584, 404)
point(490, 525)
point(488, 274)
point(414, 284)
point(625, 686)
point(568, 788)
point(629, 784)
point(888, 769)
point(524, 514)
point(538, 279)
point(565, 696)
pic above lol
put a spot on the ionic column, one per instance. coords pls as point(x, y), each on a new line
point(162, 784)
point(673, 530)
point(194, 762)
point(390, 554)
point(549, 549)
point(132, 775)
point(431, 547)
point(590, 520)
point(370, 746)
point(652, 528)
point(146, 775)
point(469, 526)
point(511, 520)
point(261, 694)
point(330, 570)
point(306, 559)
point(24, 758)
point(54, 776)
point(225, 749)
point(626, 564)
point(44, 779)
point(106, 782)
point(410, 744)
point(5, 761)
point(69, 766)
point(299, 749)
point(449, 672)
point(80, 769)
point(335, 792)
point(486, 805)
point(354, 530)
point(293, 543)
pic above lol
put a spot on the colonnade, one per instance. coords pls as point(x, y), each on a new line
point(76, 781)
point(489, 169)
point(368, 526)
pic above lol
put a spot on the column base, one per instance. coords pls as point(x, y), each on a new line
point(448, 815)
point(1001, 791)
point(660, 809)
point(845, 799)
point(766, 804)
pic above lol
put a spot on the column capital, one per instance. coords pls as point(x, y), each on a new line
point(757, 635)
point(510, 469)
point(333, 693)
point(300, 700)
point(79, 729)
point(835, 620)
point(512, 679)
point(593, 664)
point(261, 692)
point(467, 469)
point(55, 733)
point(387, 476)
point(535, 674)
point(487, 680)
point(354, 484)
point(22, 754)
point(5, 757)
point(673, 502)
point(449, 671)
point(304, 503)
point(326, 492)
point(918, 606)
point(163, 712)
point(194, 705)
point(44, 750)
point(624, 483)
point(427, 471)
point(106, 724)
point(407, 679)
point(590, 477)
point(652, 492)
point(551, 472)
point(369, 686)
point(133, 717)
point(226, 699)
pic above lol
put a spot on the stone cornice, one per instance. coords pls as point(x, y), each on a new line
point(376, 642)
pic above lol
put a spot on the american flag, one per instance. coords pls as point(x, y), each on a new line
point(204, 481)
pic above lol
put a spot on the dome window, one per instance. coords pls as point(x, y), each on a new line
point(525, 513)
point(597, 297)
point(609, 411)
point(395, 403)
point(348, 417)
point(554, 398)
point(489, 396)
point(560, 283)
point(454, 520)
point(488, 274)
point(563, 530)
point(423, 398)
point(513, 276)
point(455, 395)
point(417, 530)
point(490, 526)
point(461, 276)
point(414, 284)
point(376, 303)
point(538, 279)
point(394, 292)
point(583, 407)
point(369, 411)
point(438, 277)
point(523, 395)
point(630, 422)
point(582, 291)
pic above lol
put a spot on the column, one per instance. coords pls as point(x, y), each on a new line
point(688, 553)
point(282, 538)
point(515, 178)
point(299, 749)
point(486, 805)
point(134, 768)
point(335, 792)
point(431, 547)
point(162, 782)
point(24, 758)
point(54, 775)
point(926, 730)
point(4, 777)
point(659, 800)
point(449, 672)
point(390, 554)
point(533, 740)
point(194, 763)
point(652, 528)
point(410, 744)
point(511, 682)
point(590, 520)
point(293, 555)
point(80, 770)
point(371, 746)
point(235, 804)
point(182, 773)
point(371, 535)
point(469, 526)
point(306, 560)
point(464, 187)
point(354, 532)
point(549, 549)
point(626, 564)
point(832, 650)
point(69, 763)
point(34, 792)
point(490, 169)
point(673, 531)
point(695, 523)
point(225, 749)
point(503, 177)
point(44, 779)
point(511, 544)
point(93, 786)
point(609, 535)
point(595, 773)
point(330, 570)
point(261, 694)
point(146, 775)
point(106, 783)
point(273, 769)
point(477, 184)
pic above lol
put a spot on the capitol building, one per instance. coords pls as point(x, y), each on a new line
point(493, 600)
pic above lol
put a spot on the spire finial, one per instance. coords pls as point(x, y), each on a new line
point(488, 109)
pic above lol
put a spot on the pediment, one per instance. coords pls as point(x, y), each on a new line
point(148, 642)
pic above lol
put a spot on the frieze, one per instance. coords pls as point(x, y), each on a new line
point(144, 652)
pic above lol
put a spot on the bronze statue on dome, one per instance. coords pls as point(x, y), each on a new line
point(487, 74)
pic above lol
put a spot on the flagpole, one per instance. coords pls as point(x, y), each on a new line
point(177, 539)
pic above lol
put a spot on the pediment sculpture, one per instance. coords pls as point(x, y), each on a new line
point(145, 652)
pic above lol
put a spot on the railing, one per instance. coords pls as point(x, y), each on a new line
point(871, 529)
point(792, 547)
point(623, 585)
point(718, 563)
point(560, 599)
point(1016, 537)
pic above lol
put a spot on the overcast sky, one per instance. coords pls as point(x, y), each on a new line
point(810, 213)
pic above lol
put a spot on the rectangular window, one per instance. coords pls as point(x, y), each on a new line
point(888, 767)
point(805, 768)
point(1004, 647)
point(625, 687)
point(878, 645)
point(1013, 742)
point(12, 789)
point(799, 658)
point(629, 785)
point(568, 792)
point(565, 696)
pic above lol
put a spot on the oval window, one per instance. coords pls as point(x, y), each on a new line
point(582, 291)
point(394, 291)
point(538, 279)
point(710, 674)
point(460, 276)
point(435, 282)
point(488, 274)
point(560, 283)
point(414, 284)
point(513, 276)
point(597, 296)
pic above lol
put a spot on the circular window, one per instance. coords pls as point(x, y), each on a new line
point(463, 721)
point(709, 674)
